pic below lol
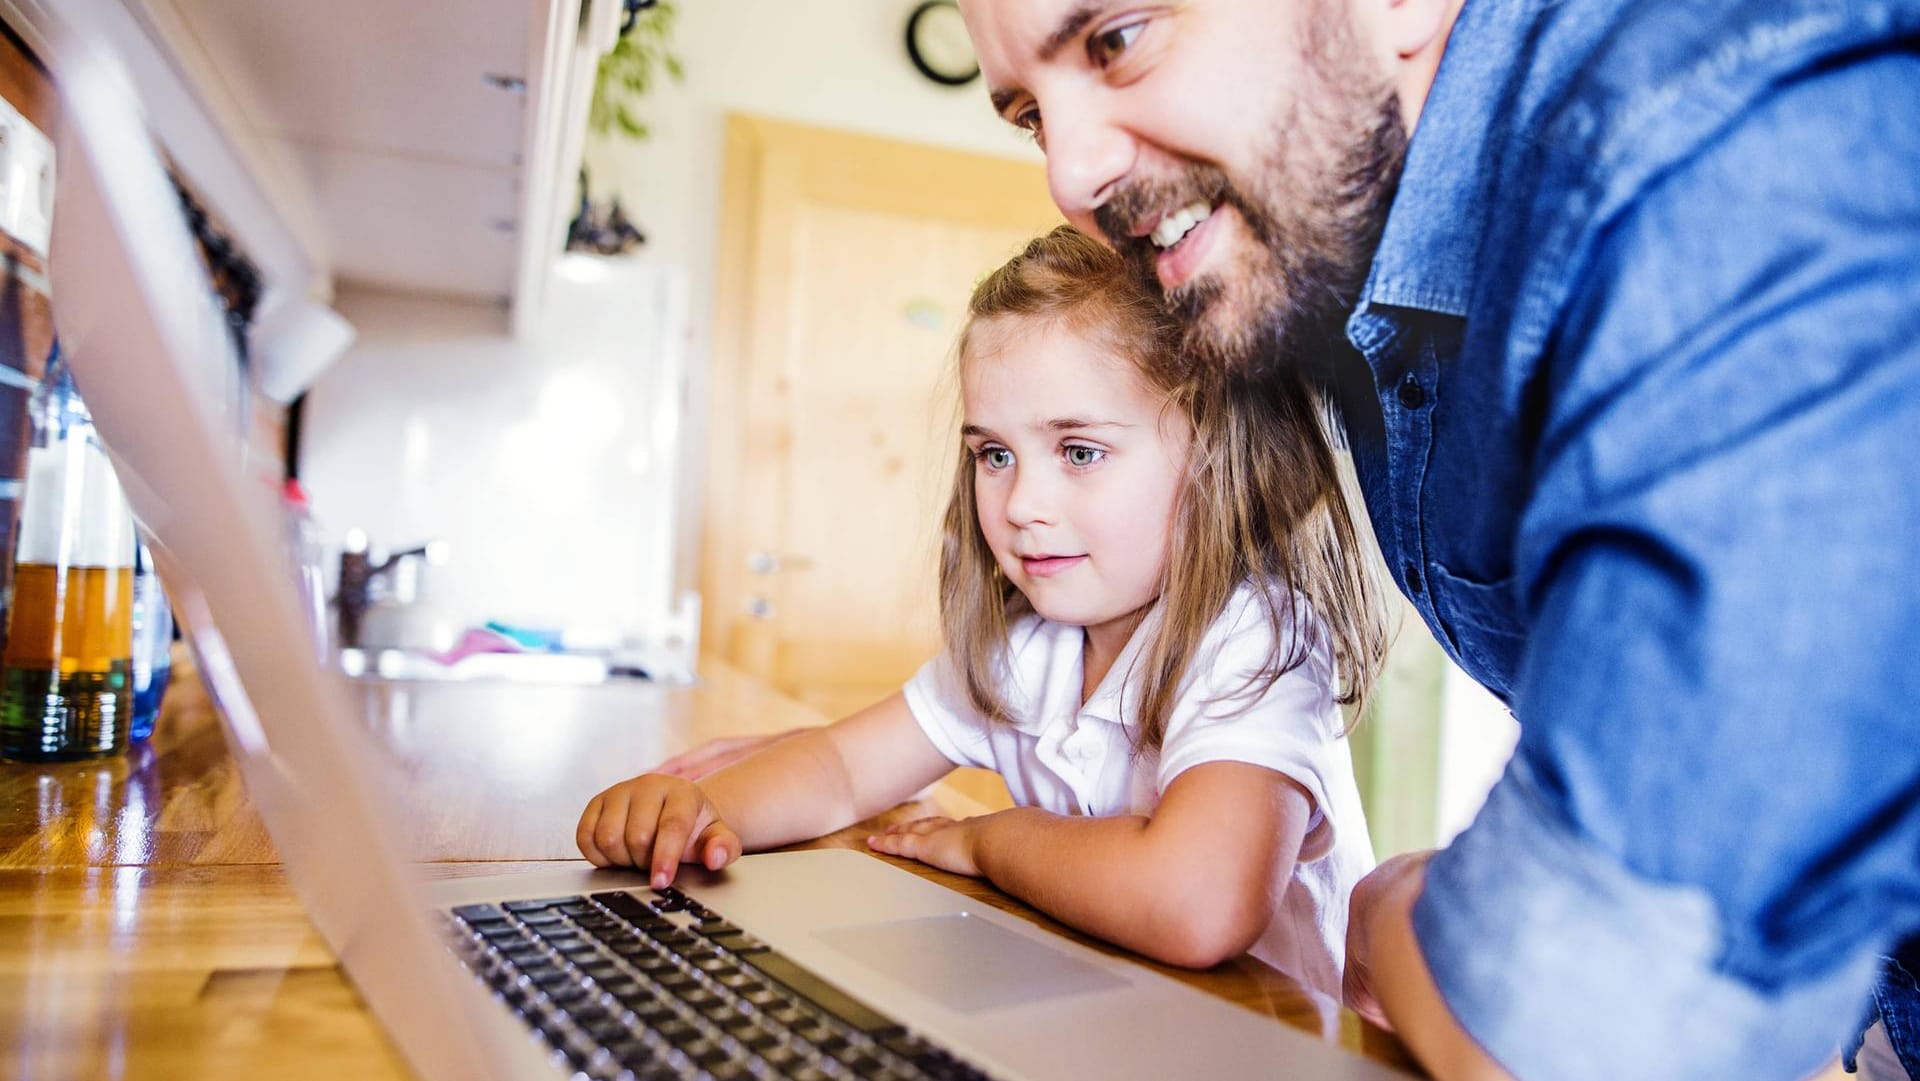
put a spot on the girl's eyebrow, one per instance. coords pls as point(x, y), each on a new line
point(1058, 424)
point(1074, 424)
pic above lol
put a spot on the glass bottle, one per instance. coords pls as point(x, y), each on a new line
point(66, 679)
point(152, 645)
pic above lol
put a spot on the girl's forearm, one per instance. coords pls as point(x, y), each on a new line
point(1115, 879)
point(792, 790)
point(828, 778)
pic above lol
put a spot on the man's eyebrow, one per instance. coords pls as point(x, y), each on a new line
point(1069, 28)
point(1063, 35)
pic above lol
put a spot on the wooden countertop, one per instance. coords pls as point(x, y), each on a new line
point(148, 931)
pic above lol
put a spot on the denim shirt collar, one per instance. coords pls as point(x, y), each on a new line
point(1431, 244)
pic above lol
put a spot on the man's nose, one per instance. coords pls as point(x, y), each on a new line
point(1087, 157)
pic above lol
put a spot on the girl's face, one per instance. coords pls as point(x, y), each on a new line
point(1077, 467)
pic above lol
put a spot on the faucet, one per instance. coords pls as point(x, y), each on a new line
point(366, 579)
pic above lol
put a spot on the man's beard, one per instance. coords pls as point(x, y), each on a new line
point(1315, 212)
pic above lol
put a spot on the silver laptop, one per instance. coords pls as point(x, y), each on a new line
point(826, 964)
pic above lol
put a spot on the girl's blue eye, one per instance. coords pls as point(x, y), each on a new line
point(1083, 456)
point(994, 457)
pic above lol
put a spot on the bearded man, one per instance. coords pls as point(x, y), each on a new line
point(1618, 303)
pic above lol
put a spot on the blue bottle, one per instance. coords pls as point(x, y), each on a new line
point(152, 645)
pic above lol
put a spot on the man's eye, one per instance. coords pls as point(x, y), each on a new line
point(1028, 120)
point(1083, 456)
point(1106, 46)
point(995, 457)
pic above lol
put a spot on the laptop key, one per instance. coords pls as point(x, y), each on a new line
point(704, 1052)
point(739, 944)
point(759, 1039)
point(676, 1031)
point(470, 913)
point(653, 1013)
point(779, 1056)
point(536, 904)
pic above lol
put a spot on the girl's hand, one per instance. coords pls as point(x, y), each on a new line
point(655, 821)
point(937, 842)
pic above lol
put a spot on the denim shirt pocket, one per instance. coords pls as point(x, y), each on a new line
point(1483, 626)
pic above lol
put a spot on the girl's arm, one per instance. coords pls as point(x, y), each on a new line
point(824, 779)
point(1194, 885)
point(794, 789)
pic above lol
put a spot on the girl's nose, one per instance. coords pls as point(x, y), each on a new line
point(1028, 500)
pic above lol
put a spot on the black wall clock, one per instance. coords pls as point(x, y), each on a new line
point(938, 44)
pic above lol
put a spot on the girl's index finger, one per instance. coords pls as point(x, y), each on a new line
point(678, 818)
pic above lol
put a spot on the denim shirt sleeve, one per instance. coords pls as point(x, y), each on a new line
point(1713, 817)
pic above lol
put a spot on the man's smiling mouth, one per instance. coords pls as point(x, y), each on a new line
point(1175, 226)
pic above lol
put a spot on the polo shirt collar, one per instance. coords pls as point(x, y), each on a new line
point(1119, 688)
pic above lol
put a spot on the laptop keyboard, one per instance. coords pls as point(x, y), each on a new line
point(649, 985)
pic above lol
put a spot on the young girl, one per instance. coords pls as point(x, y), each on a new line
point(1153, 610)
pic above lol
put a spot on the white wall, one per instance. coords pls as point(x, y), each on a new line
point(550, 466)
point(1477, 736)
point(834, 63)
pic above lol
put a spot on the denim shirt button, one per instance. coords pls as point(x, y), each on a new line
point(1413, 578)
point(1412, 394)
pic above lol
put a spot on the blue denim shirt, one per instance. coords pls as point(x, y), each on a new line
point(1638, 427)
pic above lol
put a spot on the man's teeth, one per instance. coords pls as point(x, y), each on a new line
point(1177, 224)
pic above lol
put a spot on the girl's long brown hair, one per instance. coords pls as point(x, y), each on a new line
point(1262, 502)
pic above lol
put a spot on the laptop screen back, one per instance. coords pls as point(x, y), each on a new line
point(151, 356)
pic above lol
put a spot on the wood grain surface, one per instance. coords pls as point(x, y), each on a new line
point(147, 931)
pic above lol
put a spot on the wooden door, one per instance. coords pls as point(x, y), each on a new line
point(844, 268)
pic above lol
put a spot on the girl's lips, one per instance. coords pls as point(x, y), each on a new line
point(1048, 566)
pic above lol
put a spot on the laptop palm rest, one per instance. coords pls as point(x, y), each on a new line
point(967, 964)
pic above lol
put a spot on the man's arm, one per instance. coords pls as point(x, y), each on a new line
point(1709, 823)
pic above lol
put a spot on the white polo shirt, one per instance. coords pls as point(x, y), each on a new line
point(1078, 759)
point(1067, 758)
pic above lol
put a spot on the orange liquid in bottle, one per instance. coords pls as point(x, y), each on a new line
point(68, 688)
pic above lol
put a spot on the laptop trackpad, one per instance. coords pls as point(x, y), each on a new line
point(968, 964)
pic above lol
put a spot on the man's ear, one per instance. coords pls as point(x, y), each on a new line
point(1406, 38)
point(1409, 28)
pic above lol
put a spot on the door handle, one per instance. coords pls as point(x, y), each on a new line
point(768, 563)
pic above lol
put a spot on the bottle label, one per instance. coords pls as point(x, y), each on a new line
point(73, 514)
